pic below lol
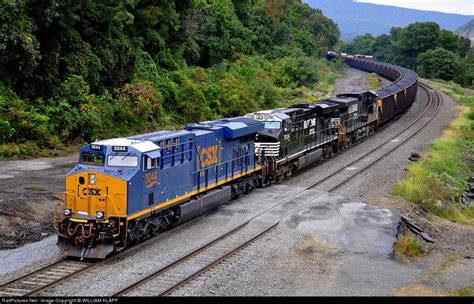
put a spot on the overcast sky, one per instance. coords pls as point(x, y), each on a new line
point(465, 7)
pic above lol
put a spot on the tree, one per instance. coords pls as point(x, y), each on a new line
point(362, 45)
point(415, 39)
point(438, 63)
point(448, 41)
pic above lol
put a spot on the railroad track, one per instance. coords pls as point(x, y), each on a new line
point(38, 282)
point(174, 275)
point(189, 267)
point(438, 101)
point(43, 278)
point(178, 273)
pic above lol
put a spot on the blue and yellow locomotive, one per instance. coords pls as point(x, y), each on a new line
point(126, 189)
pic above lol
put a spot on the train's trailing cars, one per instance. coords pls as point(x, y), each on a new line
point(396, 97)
point(125, 189)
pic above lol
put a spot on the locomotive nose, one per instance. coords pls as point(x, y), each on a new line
point(92, 221)
point(94, 196)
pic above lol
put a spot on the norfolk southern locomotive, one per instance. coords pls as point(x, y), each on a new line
point(126, 189)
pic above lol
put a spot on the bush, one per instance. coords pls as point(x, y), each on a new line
point(438, 63)
point(408, 246)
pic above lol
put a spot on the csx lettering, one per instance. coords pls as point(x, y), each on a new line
point(208, 156)
point(91, 191)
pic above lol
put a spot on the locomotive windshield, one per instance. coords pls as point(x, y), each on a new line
point(272, 125)
point(122, 161)
point(92, 158)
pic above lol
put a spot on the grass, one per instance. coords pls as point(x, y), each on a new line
point(408, 246)
point(437, 181)
point(462, 292)
point(418, 290)
point(373, 81)
point(444, 266)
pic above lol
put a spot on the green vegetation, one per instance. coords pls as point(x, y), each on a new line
point(424, 47)
point(462, 292)
point(373, 81)
point(437, 181)
point(408, 246)
point(72, 72)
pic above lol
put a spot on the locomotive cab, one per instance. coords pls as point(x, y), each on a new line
point(92, 222)
point(275, 135)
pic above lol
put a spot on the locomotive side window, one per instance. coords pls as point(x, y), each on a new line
point(92, 159)
point(150, 163)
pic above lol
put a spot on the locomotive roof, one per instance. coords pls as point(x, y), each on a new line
point(230, 127)
point(159, 135)
point(344, 101)
point(321, 107)
point(137, 144)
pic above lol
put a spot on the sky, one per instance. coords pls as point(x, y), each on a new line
point(465, 7)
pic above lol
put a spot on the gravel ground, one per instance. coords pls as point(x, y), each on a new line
point(329, 245)
point(19, 261)
point(354, 80)
point(29, 191)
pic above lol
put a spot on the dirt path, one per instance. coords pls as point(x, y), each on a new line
point(29, 190)
point(354, 80)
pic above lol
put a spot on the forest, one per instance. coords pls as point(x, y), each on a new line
point(424, 47)
point(73, 71)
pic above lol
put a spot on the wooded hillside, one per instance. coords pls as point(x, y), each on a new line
point(80, 70)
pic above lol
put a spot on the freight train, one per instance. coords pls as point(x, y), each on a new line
point(124, 190)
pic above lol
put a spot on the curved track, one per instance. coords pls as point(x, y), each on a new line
point(171, 277)
point(180, 272)
point(435, 101)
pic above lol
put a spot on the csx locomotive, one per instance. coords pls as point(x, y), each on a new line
point(123, 190)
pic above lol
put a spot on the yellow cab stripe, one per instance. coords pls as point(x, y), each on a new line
point(190, 194)
point(78, 220)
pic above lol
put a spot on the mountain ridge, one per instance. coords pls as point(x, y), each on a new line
point(467, 31)
point(379, 19)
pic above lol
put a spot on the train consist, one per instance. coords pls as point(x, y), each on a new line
point(124, 190)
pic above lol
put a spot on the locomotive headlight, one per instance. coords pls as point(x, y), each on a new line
point(100, 215)
point(92, 179)
point(67, 212)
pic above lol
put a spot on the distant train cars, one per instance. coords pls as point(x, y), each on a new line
point(124, 190)
point(331, 55)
